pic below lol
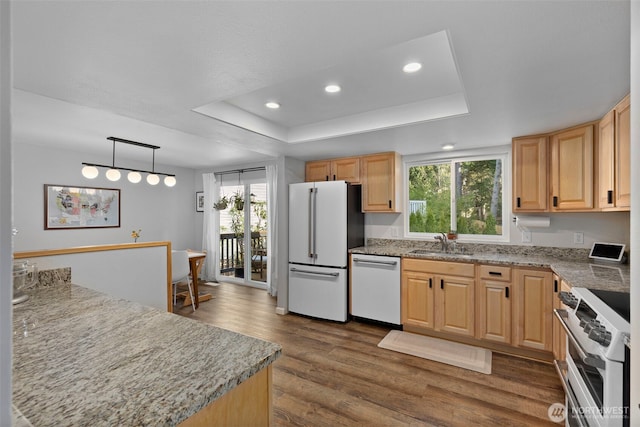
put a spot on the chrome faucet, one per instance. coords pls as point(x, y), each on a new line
point(443, 241)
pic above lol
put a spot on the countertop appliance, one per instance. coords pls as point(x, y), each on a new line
point(25, 275)
point(325, 221)
point(597, 323)
point(375, 288)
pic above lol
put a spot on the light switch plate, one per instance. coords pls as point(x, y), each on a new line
point(578, 238)
point(526, 236)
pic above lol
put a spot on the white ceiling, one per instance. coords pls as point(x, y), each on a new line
point(137, 70)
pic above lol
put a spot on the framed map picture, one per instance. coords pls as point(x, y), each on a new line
point(67, 206)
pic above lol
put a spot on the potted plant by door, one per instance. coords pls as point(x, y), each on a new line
point(238, 201)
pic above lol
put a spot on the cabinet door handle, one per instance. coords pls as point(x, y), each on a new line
point(518, 202)
point(555, 201)
point(555, 286)
point(326, 177)
point(389, 204)
point(610, 196)
point(441, 283)
point(430, 283)
point(506, 292)
point(495, 273)
point(334, 177)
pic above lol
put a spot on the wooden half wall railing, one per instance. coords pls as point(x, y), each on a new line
point(80, 255)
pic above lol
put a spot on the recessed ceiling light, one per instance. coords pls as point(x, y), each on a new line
point(412, 67)
point(272, 105)
point(332, 88)
point(448, 146)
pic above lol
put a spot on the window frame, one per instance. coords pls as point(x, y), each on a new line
point(502, 153)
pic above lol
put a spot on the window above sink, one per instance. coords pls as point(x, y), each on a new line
point(466, 193)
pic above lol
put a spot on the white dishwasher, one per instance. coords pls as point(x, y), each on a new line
point(375, 288)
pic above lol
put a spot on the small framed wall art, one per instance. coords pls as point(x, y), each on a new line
point(69, 206)
point(199, 201)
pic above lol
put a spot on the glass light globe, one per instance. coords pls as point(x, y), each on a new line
point(134, 177)
point(153, 179)
point(113, 174)
point(90, 172)
point(169, 181)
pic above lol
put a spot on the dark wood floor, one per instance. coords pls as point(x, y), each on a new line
point(333, 374)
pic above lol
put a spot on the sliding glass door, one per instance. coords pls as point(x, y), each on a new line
point(243, 232)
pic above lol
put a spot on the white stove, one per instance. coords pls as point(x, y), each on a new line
point(597, 323)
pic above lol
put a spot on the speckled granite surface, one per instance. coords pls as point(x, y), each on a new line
point(81, 357)
point(572, 265)
point(18, 420)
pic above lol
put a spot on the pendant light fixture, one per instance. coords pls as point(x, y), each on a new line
point(90, 170)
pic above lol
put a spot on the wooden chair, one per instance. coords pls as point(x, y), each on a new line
point(180, 271)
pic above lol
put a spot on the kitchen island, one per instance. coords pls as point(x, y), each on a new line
point(81, 357)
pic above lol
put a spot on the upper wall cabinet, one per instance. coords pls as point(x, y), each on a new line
point(344, 169)
point(571, 169)
point(381, 182)
point(379, 175)
point(530, 192)
point(613, 191)
point(581, 169)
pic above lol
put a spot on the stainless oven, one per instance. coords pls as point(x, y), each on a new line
point(593, 373)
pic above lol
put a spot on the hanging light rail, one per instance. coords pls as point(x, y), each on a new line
point(90, 170)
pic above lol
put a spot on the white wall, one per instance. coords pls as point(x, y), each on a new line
point(6, 288)
point(163, 213)
point(635, 205)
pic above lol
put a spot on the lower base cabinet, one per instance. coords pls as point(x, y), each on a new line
point(438, 295)
point(494, 304)
point(533, 309)
point(501, 306)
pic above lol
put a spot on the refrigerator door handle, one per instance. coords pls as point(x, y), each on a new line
point(310, 224)
point(314, 254)
point(319, 273)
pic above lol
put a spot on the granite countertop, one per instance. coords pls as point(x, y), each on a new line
point(572, 265)
point(81, 357)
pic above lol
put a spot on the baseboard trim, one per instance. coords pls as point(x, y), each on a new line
point(281, 311)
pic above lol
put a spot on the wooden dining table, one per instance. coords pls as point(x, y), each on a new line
point(195, 259)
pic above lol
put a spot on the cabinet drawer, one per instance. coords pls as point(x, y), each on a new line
point(439, 267)
point(495, 272)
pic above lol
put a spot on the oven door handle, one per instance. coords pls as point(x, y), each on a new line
point(561, 368)
point(587, 358)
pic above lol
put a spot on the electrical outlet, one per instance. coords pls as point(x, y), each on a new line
point(526, 236)
point(578, 238)
point(394, 232)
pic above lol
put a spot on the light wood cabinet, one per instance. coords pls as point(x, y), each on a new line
point(381, 182)
point(379, 174)
point(438, 295)
point(533, 309)
point(317, 170)
point(614, 158)
point(418, 302)
point(530, 189)
point(559, 335)
point(343, 169)
point(494, 304)
point(623, 153)
point(571, 169)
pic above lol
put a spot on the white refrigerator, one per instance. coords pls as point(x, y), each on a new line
point(325, 221)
